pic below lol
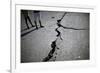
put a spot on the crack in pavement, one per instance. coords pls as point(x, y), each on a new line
point(53, 52)
point(50, 55)
point(59, 33)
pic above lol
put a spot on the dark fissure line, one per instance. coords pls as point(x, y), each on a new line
point(59, 33)
point(50, 55)
point(53, 44)
point(70, 27)
point(73, 28)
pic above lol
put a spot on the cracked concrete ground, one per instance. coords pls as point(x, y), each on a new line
point(37, 44)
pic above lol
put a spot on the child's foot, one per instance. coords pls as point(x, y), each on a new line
point(33, 26)
point(36, 27)
point(27, 27)
point(41, 26)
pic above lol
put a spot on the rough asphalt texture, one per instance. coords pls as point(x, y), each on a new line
point(36, 45)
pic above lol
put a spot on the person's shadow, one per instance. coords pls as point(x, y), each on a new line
point(27, 32)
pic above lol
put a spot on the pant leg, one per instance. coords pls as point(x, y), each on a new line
point(39, 19)
point(35, 19)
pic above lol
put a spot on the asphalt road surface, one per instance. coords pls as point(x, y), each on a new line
point(36, 44)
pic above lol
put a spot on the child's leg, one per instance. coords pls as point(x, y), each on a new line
point(40, 20)
point(35, 20)
point(40, 24)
